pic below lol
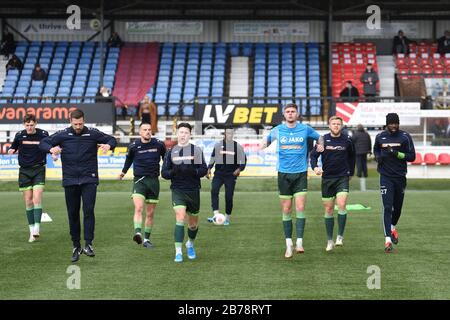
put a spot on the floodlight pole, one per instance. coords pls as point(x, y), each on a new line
point(331, 106)
point(101, 44)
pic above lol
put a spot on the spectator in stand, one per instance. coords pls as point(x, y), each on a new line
point(401, 43)
point(114, 41)
point(444, 43)
point(369, 78)
point(349, 93)
point(363, 146)
point(7, 45)
point(148, 113)
point(14, 63)
point(103, 95)
point(438, 128)
point(38, 74)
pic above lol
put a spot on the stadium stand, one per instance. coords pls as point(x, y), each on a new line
point(188, 71)
point(171, 73)
point(348, 63)
point(423, 61)
point(73, 71)
point(299, 76)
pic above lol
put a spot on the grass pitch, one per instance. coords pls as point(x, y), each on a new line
point(242, 261)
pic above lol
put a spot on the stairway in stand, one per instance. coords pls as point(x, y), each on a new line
point(137, 71)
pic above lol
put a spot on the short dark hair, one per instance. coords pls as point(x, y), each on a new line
point(37, 65)
point(29, 117)
point(185, 125)
point(349, 81)
point(142, 123)
point(290, 105)
point(76, 114)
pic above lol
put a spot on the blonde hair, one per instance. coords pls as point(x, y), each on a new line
point(335, 118)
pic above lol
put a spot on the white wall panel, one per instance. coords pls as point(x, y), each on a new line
point(441, 26)
point(425, 31)
point(73, 36)
point(316, 33)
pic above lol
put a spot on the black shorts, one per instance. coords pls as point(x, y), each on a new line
point(331, 187)
point(187, 199)
point(292, 184)
point(31, 178)
point(146, 188)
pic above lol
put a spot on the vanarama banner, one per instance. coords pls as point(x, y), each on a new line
point(13, 113)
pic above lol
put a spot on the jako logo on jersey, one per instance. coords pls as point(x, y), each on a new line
point(239, 114)
point(285, 139)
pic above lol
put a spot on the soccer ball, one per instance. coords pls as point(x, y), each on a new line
point(219, 219)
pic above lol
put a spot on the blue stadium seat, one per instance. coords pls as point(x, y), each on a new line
point(161, 111)
point(188, 110)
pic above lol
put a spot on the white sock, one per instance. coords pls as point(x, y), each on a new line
point(31, 226)
point(189, 243)
point(392, 227)
point(289, 242)
point(215, 211)
point(178, 250)
point(388, 239)
point(36, 228)
point(299, 242)
point(146, 240)
point(228, 217)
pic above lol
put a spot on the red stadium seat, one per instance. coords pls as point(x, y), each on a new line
point(444, 159)
point(427, 70)
point(418, 160)
point(437, 61)
point(430, 159)
point(415, 70)
point(412, 61)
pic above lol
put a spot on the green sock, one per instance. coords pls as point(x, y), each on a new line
point(329, 225)
point(147, 231)
point(137, 226)
point(287, 226)
point(30, 216)
point(192, 234)
point(179, 232)
point(342, 218)
point(300, 223)
point(37, 213)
